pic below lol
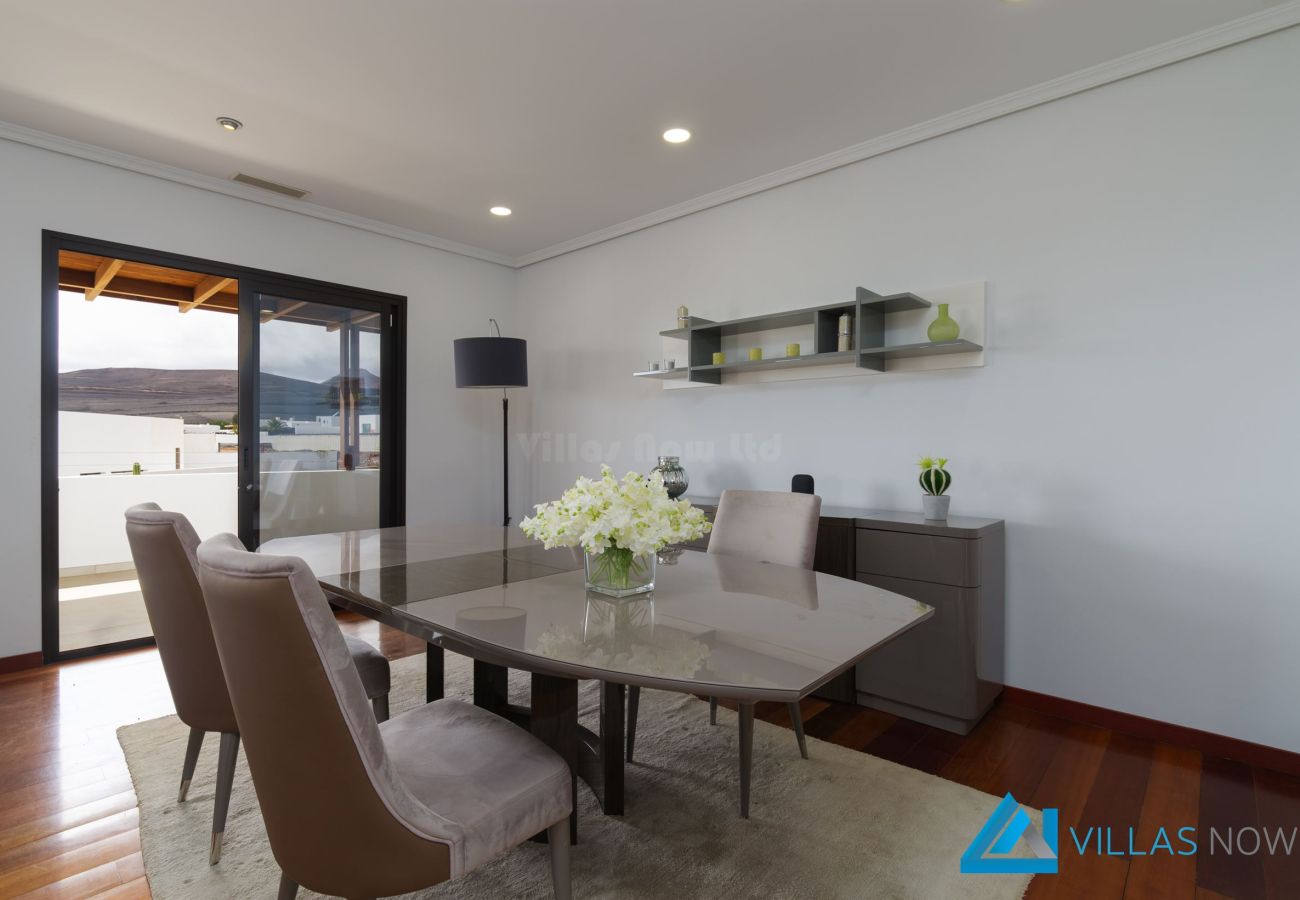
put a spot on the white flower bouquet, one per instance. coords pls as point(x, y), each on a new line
point(620, 525)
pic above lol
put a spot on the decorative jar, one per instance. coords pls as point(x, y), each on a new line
point(674, 476)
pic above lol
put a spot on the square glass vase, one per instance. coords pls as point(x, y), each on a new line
point(620, 573)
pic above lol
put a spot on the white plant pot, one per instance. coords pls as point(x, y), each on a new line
point(935, 507)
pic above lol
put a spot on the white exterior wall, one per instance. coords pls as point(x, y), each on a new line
point(99, 442)
point(92, 532)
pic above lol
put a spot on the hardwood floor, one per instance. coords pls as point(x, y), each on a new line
point(68, 820)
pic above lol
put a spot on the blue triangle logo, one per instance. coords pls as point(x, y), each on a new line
point(1003, 830)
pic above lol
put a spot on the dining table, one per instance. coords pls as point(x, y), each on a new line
point(714, 626)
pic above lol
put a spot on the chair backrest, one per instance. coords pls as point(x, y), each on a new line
point(768, 526)
point(339, 819)
point(163, 545)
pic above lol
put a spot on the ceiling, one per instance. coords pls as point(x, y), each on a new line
point(422, 115)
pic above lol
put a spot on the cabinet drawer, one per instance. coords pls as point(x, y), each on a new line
point(919, 557)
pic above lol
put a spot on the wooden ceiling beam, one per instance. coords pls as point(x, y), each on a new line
point(268, 315)
point(205, 289)
point(357, 319)
point(103, 275)
point(139, 289)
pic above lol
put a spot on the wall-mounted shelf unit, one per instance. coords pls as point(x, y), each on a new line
point(875, 339)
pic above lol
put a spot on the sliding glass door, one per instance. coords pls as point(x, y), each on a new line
point(320, 448)
point(244, 399)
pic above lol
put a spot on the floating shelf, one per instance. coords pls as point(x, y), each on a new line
point(926, 348)
point(891, 304)
point(783, 362)
point(683, 333)
point(771, 322)
point(661, 373)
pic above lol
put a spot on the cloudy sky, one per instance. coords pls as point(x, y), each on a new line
point(115, 333)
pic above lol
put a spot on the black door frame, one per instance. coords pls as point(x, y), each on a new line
point(392, 506)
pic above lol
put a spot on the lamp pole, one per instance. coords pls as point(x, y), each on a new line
point(505, 458)
point(505, 446)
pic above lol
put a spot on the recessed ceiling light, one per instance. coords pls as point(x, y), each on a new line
point(500, 210)
point(229, 124)
point(677, 135)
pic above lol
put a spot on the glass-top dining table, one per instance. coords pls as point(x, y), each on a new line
point(715, 626)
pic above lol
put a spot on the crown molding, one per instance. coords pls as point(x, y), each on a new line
point(142, 166)
point(1277, 18)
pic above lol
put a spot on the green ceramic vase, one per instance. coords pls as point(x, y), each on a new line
point(944, 328)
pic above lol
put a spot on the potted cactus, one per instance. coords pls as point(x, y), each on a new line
point(934, 481)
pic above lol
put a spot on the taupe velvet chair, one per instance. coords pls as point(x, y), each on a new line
point(163, 546)
point(765, 526)
point(352, 808)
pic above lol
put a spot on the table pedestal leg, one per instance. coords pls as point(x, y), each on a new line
point(554, 722)
point(433, 673)
point(491, 686)
point(746, 754)
point(611, 747)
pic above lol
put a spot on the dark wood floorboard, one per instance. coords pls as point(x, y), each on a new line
point(68, 822)
point(1228, 804)
point(1277, 801)
point(1172, 797)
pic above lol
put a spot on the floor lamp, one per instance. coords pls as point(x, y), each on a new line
point(494, 362)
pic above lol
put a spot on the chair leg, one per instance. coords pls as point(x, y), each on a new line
point(713, 710)
point(633, 701)
point(746, 755)
point(288, 888)
point(380, 704)
point(557, 836)
point(796, 719)
point(191, 760)
point(225, 781)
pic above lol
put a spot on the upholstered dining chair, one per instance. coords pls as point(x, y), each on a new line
point(764, 526)
point(353, 808)
point(163, 546)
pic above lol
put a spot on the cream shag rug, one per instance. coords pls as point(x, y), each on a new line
point(842, 824)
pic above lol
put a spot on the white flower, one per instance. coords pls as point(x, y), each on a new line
point(633, 514)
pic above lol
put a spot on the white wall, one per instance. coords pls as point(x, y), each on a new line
point(1136, 420)
point(100, 442)
point(449, 432)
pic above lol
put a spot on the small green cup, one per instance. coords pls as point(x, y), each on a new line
point(719, 358)
point(791, 349)
point(755, 354)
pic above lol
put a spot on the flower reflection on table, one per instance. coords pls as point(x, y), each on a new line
point(620, 634)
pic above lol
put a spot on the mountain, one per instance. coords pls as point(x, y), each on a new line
point(200, 395)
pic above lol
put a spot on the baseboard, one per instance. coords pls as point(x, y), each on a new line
point(21, 661)
point(1207, 742)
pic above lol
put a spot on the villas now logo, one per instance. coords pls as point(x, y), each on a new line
point(1009, 824)
point(991, 849)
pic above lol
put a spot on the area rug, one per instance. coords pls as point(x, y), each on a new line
point(842, 824)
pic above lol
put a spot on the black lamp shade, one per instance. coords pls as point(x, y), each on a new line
point(491, 362)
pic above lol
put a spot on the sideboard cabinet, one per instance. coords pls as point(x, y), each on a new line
point(948, 671)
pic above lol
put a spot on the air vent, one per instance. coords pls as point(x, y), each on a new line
point(269, 186)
